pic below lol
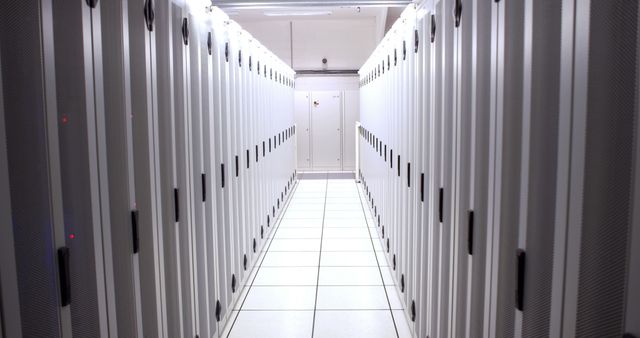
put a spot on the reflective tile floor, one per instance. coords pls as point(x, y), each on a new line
point(323, 273)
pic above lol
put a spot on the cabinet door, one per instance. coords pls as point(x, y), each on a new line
point(351, 115)
point(327, 130)
point(303, 129)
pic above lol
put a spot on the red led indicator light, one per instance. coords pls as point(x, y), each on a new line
point(72, 236)
point(65, 119)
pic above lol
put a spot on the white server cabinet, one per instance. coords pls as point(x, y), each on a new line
point(147, 64)
point(184, 259)
point(83, 163)
point(599, 219)
point(149, 190)
point(9, 292)
point(29, 108)
point(524, 227)
point(124, 217)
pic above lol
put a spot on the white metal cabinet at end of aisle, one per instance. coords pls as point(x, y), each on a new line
point(325, 141)
point(499, 155)
point(151, 148)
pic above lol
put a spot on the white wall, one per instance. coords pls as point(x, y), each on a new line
point(345, 43)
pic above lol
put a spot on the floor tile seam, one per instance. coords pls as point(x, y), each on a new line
point(277, 226)
point(313, 324)
point(379, 267)
point(320, 285)
point(310, 310)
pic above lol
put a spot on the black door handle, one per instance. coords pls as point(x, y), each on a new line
point(149, 15)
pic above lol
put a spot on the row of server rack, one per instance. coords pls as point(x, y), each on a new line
point(501, 161)
point(146, 147)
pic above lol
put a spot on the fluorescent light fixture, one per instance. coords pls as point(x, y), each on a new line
point(298, 13)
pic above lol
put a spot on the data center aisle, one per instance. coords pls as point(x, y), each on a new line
point(323, 273)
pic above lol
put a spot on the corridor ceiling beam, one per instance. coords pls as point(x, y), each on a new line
point(245, 4)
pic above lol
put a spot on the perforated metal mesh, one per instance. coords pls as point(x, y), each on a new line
point(481, 143)
point(511, 150)
point(608, 168)
point(25, 116)
point(545, 80)
point(79, 201)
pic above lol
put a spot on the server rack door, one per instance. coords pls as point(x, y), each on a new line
point(197, 51)
point(123, 213)
point(252, 153)
point(438, 46)
point(448, 140)
point(222, 252)
point(242, 175)
point(463, 40)
point(224, 235)
point(172, 212)
point(426, 226)
point(234, 140)
point(539, 161)
point(508, 134)
point(480, 110)
point(607, 114)
point(632, 307)
point(182, 102)
point(145, 122)
point(9, 302)
point(229, 189)
point(29, 108)
point(82, 153)
point(238, 173)
point(418, 154)
point(209, 180)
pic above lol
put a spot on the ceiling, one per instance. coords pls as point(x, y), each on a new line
point(309, 13)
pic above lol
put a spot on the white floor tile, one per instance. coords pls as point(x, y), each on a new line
point(343, 201)
point(349, 244)
point(295, 245)
point(345, 258)
point(280, 298)
point(378, 246)
point(349, 276)
point(394, 298)
point(305, 207)
point(345, 233)
point(387, 277)
point(283, 259)
point(284, 233)
point(275, 276)
point(300, 223)
point(348, 207)
point(354, 324)
point(317, 214)
point(344, 214)
point(273, 324)
point(402, 323)
point(344, 223)
point(352, 298)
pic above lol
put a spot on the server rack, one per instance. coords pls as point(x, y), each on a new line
point(124, 217)
point(126, 221)
point(148, 65)
point(9, 317)
point(507, 235)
